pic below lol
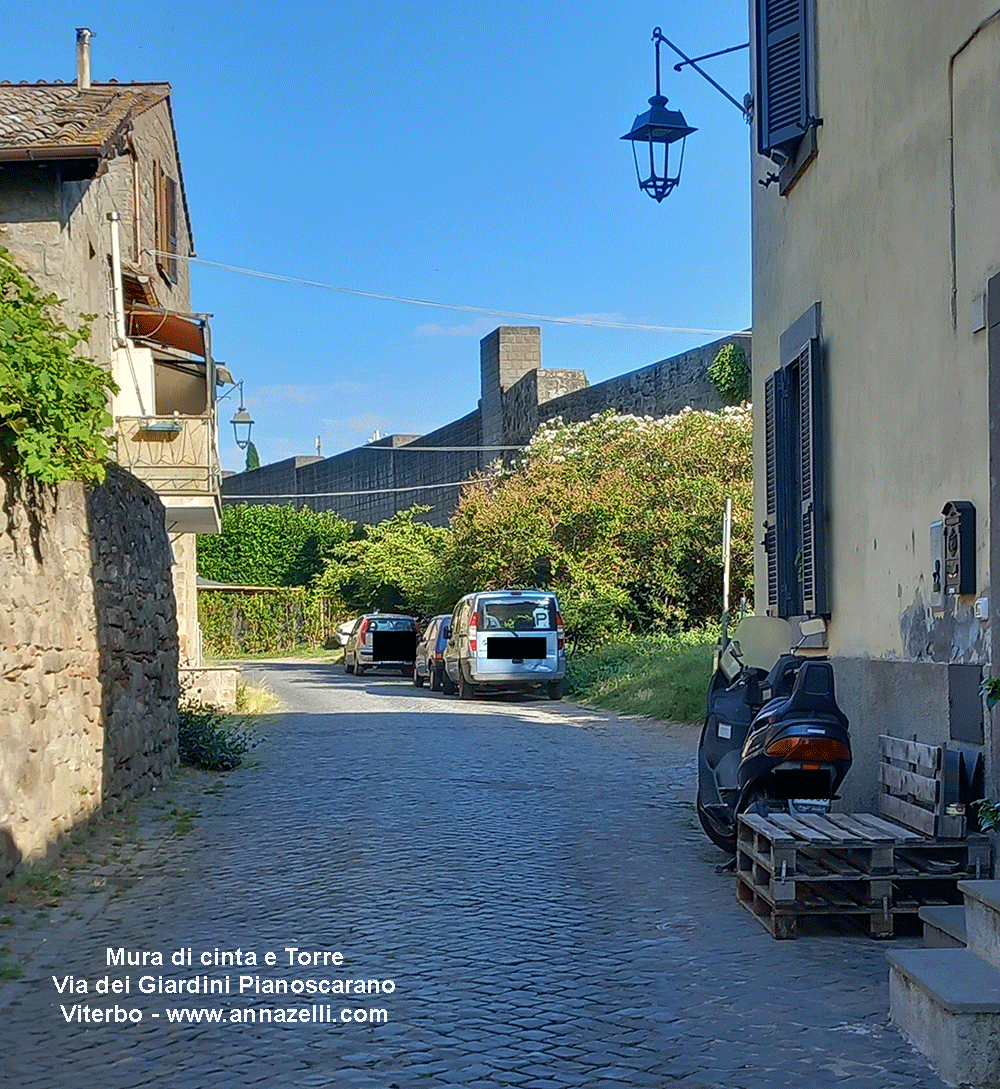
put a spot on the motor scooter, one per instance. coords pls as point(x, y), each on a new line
point(774, 739)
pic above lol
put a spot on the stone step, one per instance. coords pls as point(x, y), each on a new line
point(944, 926)
point(982, 918)
point(947, 1003)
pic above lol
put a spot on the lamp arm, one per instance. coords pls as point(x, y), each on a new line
point(717, 53)
point(658, 36)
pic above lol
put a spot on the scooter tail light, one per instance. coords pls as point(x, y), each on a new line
point(824, 750)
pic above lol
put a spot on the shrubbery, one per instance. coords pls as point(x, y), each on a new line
point(208, 739)
point(620, 516)
point(269, 545)
point(235, 624)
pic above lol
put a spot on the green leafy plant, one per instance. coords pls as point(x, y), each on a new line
point(53, 402)
point(208, 739)
point(988, 811)
point(730, 374)
point(990, 688)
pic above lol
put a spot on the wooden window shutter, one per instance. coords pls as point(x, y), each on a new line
point(812, 430)
point(172, 240)
point(782, 105)
point(771, 514)
point(166, 224)
point(780, 520)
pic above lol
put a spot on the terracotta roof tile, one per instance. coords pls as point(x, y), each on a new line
point(37, 116)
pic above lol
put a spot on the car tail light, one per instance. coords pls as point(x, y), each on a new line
point(473, 628)
point(823, 749)
point(363, 633)
point(560, 632)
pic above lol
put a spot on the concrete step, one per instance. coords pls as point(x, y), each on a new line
point(982, 918)
point(944, 926)
point(947, 1003)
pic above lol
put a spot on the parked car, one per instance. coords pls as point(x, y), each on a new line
point(510, 640)
point(381, 641)
point(429, 662)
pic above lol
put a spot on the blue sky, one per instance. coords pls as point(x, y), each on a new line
point(464, 153)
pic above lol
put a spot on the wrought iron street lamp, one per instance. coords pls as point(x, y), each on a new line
point(242, 422)
point(659, 127)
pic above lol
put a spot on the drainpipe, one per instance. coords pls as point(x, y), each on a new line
point(951, 158)
point(116, 281)
point(83, 36)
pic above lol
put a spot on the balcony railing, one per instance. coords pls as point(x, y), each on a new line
point(177, 456)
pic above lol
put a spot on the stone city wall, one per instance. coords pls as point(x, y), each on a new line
point(517, 395)
point(661, 389)
point(88, 655)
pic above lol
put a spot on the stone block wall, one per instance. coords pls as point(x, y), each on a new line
point(88, 655)
point(661, 389)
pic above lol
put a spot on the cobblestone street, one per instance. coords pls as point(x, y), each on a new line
point(530, 876)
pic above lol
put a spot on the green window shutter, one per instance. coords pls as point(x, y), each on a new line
point(781, 517)
point(782, 103)
point(812, 479)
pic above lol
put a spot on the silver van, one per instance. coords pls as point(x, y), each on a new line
point(506, 639)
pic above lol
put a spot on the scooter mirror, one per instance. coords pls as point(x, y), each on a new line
point(736, 648)
point(815, 626)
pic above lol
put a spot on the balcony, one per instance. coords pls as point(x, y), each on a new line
point(178, 457)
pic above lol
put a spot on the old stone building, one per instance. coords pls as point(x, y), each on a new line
point(93, 209)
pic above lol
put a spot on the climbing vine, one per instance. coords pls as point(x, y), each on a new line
point(53, 402)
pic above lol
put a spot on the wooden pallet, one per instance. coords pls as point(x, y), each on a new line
point(847, 864)
point(912, 789)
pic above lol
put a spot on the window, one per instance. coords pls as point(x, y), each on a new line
point(785, 86)
point(166, 225)
point(795, 429)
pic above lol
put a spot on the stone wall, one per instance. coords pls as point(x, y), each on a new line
point(517, 395)
point(661, 389)
point(88, 655)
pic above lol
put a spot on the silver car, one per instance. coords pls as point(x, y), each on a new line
point(509, 640)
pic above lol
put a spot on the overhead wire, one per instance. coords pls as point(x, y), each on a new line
point(596, 323)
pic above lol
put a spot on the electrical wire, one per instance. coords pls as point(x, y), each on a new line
point(369, 491)
point(595, 323)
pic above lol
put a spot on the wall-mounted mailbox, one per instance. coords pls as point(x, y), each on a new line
point(959, 547)
point(937, 565)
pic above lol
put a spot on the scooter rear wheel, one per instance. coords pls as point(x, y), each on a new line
point(722, 836)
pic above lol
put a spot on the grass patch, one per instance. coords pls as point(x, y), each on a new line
point(10, 971)
point(662, 676)
point(255, 699)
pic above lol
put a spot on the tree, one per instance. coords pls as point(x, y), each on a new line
point(253, 458)
point(394, 567)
